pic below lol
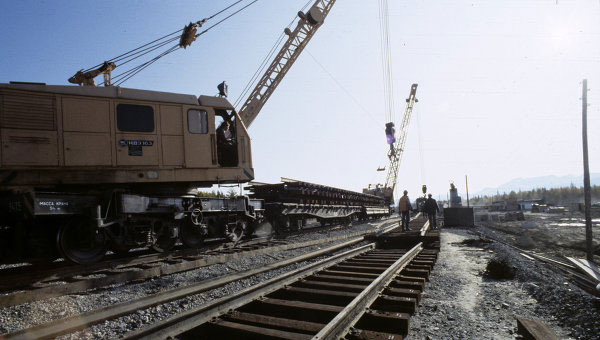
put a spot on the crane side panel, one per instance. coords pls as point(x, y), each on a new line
point(87, 149)
point(86, 115)
point(171, 122)
point(29, 147)
point(173, 153)
point(28, 124)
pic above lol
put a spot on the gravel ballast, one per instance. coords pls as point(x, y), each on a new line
point(460, 303)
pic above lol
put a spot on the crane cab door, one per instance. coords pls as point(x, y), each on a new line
point(136, 134)
point(199, 137)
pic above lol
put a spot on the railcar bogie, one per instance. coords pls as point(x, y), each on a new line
point(85, 226)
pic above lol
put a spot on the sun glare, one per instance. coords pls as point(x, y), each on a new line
point(559, 36)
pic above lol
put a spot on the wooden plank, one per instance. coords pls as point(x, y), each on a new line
point(240, 329)
point(296, 326)
point(527, 256)
point(534, 329)
point(586, 268)
point(549, 260)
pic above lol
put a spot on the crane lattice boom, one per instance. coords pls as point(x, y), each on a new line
point(308, 24)
point(395, 154)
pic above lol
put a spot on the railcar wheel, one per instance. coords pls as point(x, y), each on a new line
point(80, 241)
point(282, 223)
point(191, 235)
point(164, 240)
point(235, 232)
point(295, 224)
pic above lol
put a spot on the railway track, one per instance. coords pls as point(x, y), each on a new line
point(26, 285)
point(364, 293)
point(81, 321)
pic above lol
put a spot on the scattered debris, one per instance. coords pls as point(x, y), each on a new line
point(472, 242)
point(498, 269)
point(534, 329)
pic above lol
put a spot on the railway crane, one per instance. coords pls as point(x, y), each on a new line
point(86, 168)
point(396, 150)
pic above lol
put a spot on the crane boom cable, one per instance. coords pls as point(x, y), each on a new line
point(126, 54)
point(141, 67)
point(176, 47)
point(131, 52)
point(386, 62)
point(159, 43)
point(265, 61)
point(285, 58)
point(226, 18)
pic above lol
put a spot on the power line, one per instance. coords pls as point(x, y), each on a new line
point(343, 89)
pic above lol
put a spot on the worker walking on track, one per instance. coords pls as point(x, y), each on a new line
point(404, 208)
point(431, 209)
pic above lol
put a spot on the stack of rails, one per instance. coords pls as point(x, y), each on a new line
point(290, 203)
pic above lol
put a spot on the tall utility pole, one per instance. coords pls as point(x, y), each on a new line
point(586, 178)
point(467, 189)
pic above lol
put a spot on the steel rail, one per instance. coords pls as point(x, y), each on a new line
point(425, 228)
point(340, 325)
point(82, 321)
point(57, 270)
point(190, 319)
point(187, 321)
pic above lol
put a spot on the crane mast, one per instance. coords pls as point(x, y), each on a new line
point(395, 153)
point(307, 26)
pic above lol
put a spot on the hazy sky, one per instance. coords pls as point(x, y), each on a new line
point(499, 81)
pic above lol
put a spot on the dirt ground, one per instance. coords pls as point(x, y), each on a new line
point(459, 302)
point(557, 235)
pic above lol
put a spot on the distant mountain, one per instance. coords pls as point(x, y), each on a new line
point(550, 181)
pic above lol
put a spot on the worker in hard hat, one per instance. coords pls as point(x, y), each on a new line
point(431, 209)
point(404, 208)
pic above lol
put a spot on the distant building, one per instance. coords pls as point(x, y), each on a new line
point(526, 205)
point(505, 205)
point(514, 205)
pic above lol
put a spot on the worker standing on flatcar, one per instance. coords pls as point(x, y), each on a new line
point(431, 209)
point(404, 208)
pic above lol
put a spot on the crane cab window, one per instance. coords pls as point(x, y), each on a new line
point(135, 118)
point(197, 121)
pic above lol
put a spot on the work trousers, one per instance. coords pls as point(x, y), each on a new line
point(405, 219)
point(431, 217)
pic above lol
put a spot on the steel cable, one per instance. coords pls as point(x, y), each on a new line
point(264, 62)
point(159, 43)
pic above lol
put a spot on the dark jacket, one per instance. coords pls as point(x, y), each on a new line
point(431, 206)
point(221, 139)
